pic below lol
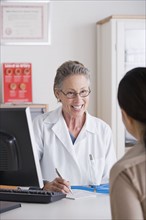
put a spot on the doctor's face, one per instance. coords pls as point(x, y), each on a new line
point(74, 95)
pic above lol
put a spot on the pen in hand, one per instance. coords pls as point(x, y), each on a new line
point(62, 178)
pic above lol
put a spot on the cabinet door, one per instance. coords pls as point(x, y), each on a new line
point(120, 47)
point(130, 53)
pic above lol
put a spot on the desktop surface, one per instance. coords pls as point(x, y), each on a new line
point(85, 208)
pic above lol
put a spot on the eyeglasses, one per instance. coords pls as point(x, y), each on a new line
point(72, 95)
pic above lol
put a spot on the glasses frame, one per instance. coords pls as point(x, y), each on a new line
point(75, 94)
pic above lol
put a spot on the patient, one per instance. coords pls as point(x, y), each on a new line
point(128, 175)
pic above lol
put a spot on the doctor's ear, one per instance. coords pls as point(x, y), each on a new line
point(56, 92)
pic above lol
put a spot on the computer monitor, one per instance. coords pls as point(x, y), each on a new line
point(19, 163)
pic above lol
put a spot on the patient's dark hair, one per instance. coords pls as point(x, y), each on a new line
point(132, 95)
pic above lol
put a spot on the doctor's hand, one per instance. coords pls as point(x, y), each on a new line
point(58, 185)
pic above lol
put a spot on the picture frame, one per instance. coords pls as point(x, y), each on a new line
point(25, 22)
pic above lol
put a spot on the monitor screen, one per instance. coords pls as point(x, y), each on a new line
point(19, 163)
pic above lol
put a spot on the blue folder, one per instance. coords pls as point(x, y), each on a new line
point(103, 188)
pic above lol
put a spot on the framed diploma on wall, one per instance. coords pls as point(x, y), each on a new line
point(25, 22)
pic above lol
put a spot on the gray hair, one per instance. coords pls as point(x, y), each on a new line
point(67, 69)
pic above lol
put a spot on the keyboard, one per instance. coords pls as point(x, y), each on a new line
point(30, 195)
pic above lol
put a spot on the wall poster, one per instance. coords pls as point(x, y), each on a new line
point(17, 83)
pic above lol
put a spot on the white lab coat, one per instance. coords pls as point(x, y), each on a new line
point(56, 150)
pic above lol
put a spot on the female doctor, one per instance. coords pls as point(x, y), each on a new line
point(79, 145)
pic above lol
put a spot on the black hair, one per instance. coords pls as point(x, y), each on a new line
point(132, 95)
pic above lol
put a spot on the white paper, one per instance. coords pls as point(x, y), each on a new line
point(79, 194)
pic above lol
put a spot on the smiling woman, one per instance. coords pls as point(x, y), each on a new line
point(74, 99)
point(67, 136)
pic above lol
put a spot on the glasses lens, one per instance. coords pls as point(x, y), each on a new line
point(84, 93)
point(70, 95)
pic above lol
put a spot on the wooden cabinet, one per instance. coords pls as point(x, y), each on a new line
point(120, 47)
point(35, 109)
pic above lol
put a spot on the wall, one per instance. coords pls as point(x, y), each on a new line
point(73, 37)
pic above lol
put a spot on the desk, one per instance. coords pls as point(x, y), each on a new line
point(85, 208)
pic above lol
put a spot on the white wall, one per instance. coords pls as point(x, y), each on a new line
point(73, 37)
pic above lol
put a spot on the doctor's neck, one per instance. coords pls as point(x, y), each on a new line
point(74, 123)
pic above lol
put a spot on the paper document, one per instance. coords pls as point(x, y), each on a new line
point(79, 194)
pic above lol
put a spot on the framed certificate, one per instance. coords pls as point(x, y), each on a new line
point(25, 22)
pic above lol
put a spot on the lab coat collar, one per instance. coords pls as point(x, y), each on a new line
point(90, 123)
point(55, 116)
point(59, 127)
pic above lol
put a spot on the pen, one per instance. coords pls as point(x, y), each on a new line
point(62, 178)
point(92, 172)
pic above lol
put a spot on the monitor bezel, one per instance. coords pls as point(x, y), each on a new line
point(12, 177)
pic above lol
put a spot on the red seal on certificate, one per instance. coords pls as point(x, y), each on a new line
point(8, 31)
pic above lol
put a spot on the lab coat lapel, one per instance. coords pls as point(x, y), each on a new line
point(89, 126)
point(82, 135)
point(61, 131)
